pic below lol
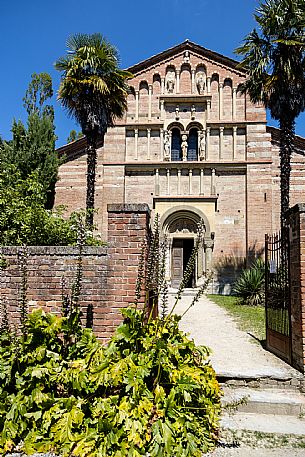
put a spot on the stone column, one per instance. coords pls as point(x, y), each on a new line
point(136, 136)
point(213, 183)
point(190, 181)
point(177, 81)
point(200, 266)
point(162, 85)
point(161, 143)
point(207, 146)
point(234, 142)
point(137, 105)
point(208, 109)
point(162, 109)
point(208, 246)
point(220, 101)
point(168, 180)
point(193, 82)
point(157, 182)
point(179, 182)
point(148, 143)
point(209, 85)
point(150, 88)
point(169, 258)
point(201, 181)
point(221, 129)
point(234, 90)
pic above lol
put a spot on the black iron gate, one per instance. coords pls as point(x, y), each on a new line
point(278, 315)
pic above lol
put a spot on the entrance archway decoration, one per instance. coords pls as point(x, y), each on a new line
point(180, 226)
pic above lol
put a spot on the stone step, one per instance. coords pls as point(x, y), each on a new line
point(289, 379)
point(264, 423)
point(266, 401)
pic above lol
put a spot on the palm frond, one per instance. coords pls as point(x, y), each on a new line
point(93, 89)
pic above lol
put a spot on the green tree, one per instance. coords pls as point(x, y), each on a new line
point(93, 90)
point(24, 218)
point(32, 147)
point(39, 91)
point(274, 58)
point(73, 136)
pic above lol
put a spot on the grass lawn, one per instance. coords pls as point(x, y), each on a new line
point(250, 319)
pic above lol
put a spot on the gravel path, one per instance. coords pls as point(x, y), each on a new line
point(233, 351)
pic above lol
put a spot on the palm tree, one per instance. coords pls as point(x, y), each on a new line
point(93, 90)
point(274, 58)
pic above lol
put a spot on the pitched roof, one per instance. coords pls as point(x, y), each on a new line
point(75, 148)
point(299, 141)
point(186, 45)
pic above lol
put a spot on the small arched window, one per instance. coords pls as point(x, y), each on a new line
point(176, 145)
point(192, 150)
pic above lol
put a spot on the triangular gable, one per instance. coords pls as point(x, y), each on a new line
point(182, 47)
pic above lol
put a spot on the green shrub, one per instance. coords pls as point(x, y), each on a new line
point(250, 286)
point(150, 390)
point(24, 219)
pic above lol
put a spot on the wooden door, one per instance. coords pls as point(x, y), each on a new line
point(177, 262)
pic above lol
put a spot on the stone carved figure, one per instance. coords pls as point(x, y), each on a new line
point(186, 57)
point(193, 111)
point(200, 81)
point(184, 226)
point(202, 145)
point(170, 81)
point(177, 112)
point(166, 146)
point(184, 147)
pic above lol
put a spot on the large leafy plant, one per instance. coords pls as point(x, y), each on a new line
point(151, 391)
point(250, 286)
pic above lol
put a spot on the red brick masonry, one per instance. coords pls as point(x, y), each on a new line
point(297, 281)
point(109, 273)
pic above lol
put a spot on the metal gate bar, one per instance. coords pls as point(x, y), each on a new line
point(277, 296)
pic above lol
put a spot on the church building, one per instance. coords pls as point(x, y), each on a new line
point(192, 147)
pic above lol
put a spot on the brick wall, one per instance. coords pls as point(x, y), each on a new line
point(127, 229)
point(109, 273)
point(297, 284)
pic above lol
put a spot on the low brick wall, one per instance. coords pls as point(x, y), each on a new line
point(47, 267)
point(109, 273)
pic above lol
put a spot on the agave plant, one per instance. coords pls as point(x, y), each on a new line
point(250, 285)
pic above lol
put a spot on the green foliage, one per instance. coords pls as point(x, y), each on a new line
point(93, 89)
point(274, 59)
point(73, 136)
point(273, 56)
point(39, 91)
point(150, 390)
point(250, 319)
point(24, 219)
point(250, 285)
point(32, 147)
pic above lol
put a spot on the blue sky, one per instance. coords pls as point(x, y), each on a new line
point(34, 34)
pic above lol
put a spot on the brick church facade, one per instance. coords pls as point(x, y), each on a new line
point(192, 147)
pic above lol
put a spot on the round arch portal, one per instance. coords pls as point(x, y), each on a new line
point(185, 212)
point(180, 226)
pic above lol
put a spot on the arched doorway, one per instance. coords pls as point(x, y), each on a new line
point(180, 226)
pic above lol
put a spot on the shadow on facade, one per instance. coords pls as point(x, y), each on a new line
point(228, 269)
